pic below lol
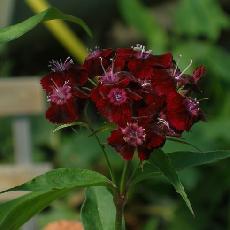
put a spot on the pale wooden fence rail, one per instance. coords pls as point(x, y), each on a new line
point(20, 97)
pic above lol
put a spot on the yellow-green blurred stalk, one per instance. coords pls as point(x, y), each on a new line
point(61, 31)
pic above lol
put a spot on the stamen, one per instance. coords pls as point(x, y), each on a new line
point(133, 134)
point(117, 96)
point(102, 65)
point(93, 53)
point(177, 64)
point(96, 48)
point(141, 48)
point(137, 47)
point(55, 85)
point(192, 106)
point(202, 99)
point(68, 61)
point(160, 120)
point(109, 76)
point(59, 66)
point(145, 82)
point(60, 94)
point(112, 67)
point(189, 65)
point(163, 128)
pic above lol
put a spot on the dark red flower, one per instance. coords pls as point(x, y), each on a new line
point(138, 89)
point(154, 71)
point(114, 101)
point(197, 74)
point(147, 96)
point(97, 61)
point(133, 137)
point(63, 91)
point(182, 112)
point(185, 81)
point(134, 59)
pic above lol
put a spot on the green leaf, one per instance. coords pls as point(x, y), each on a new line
point(63, 178)
point(15, 213)
point(146, 172)
point(106, 127)
point(15, 31)
point(184, 159)
point(182, 142)
point(139, 16)
point(98, 211)
point(45, 189)
point(163, 162)
point(77, 123)
point(199, 20)
point(180, 160)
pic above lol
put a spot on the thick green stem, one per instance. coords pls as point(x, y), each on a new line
point(119, 217)
point(120, 198)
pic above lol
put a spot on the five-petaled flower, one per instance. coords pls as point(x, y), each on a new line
point(64, 93)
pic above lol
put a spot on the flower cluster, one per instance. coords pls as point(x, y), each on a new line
point(147, 96)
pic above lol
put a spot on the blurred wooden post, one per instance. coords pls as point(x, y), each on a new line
point(6, 9)
point(11, 175)
point(19, 98)
point(22, 140)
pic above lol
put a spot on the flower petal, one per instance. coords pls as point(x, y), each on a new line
point(93, 61)
point(62, 114)
point(116, 140)
point(198, 73)
point(177, 114)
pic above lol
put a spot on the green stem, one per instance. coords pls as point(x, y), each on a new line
point(123, 178)
point(100, 144)
point(119, 216)
point(133, 174)
point(106, 156)
point(120, 198)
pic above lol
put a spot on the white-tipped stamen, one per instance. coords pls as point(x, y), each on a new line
point(202, 99)
point(177, 64)
point(55, 85)
point(68, 60)
point(112, 67)
point(189, 65)
point(141, 48)
point(102, 65)
point(160, 120)
point(57, 66)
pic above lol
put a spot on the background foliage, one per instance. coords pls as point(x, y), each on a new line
point(199, 30)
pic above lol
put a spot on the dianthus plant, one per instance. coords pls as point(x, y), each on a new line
point(144, 100)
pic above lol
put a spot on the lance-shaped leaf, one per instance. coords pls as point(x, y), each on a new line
point(63, 178)
point(15, 31)
point(181, 160)
point(163, 162)
point(184, 142)
point(15, 213)
point(98, 211)
point(146, 172)
point(184, 159)
point(45, 189)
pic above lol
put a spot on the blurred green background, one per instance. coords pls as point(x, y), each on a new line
point(197, 29)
